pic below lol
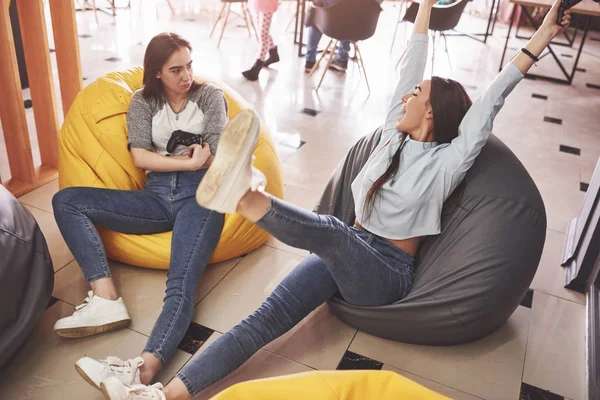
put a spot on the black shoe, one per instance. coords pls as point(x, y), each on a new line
point(309, 66)
point(339, 65)
point(252, 73)
point(273, 57)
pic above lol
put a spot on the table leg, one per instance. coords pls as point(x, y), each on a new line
point(510, 24)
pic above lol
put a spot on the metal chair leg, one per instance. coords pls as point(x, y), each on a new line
point(216, 22)
point(447, 52)
point(362, 64)
point(252, 23)
point(401, 8)
point(316, 66)
point(224, 24)
point(244, 9)
point(328, 64)
point(433, 53)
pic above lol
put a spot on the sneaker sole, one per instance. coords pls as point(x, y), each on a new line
point(230, 151)
point(84, 331)
point(105, 391)
point(85, 376)
point(336, 68)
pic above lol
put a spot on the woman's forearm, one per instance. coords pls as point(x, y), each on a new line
point(423, 16)
point(151, 161)
point(538, 42)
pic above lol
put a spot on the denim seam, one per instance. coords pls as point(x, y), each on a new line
point(103, 259)
point(121, 215)
point(98, 276)
point(185, 278)
point(186, 382)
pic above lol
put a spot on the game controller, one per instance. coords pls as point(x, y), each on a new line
point(565, 5)
point(184, 138)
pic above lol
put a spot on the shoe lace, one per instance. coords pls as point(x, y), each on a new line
point(119, 366)
point(86, 301)
point(146, 392)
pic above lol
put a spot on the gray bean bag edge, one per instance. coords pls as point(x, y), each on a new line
point(476, 296)
point(26, 275)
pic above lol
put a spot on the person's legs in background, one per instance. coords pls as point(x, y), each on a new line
point(266, 46)
point(340, 61)
point(314, 36)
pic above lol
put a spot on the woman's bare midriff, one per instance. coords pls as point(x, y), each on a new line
point(410, 245)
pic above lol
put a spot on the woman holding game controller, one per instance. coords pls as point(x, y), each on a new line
point(170, 101)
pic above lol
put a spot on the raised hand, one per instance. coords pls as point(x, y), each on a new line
point(550, 20)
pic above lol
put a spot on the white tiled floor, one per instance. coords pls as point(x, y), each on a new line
point(542, 346)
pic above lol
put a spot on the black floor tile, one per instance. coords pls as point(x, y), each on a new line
point(553, 120)
point(529, 392)
point(527, 299)
point(356, 361)
point(593, 86)
point(580, 69)
point(567, 55)
point(194, 338)
point(570, 150)
point(310, 111)
point(52, 301)
point(52, 50)
point(539, 96)
point(583, 186)
point(85, 36)
point(596, 39)
point(113, 59)
point(27, 103)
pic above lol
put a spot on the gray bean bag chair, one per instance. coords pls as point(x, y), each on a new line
point(26, 275)
point(471, 277)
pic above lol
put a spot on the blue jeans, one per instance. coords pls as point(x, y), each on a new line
point(364, 268)
point(314, 36)
point(166, 203)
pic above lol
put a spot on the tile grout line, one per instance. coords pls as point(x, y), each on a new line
point(37, 208)
point(217, 284)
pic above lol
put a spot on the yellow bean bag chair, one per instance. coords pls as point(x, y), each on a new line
point(331, 385)
point(93, 152)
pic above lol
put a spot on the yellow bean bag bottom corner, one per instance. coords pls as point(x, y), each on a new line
point(331, 385)
point(93, 152)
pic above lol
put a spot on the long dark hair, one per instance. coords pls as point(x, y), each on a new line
point(449, 103)
point(157, 53)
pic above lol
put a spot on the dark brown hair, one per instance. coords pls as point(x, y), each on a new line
point(157, 53)
point(449, 103)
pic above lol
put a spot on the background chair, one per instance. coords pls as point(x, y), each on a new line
point(227, 9)
point(352, 20)
point(443, 18)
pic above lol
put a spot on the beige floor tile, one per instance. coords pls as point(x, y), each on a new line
point(555, 358)
point(245, 288)
point(490, 368)
point(550, 276)
point(587, 168)
point(436, 387)
point(272, 242)
point(319, 341)
point(60, 253)
point(262, 365)
point(179, 359)
point(300, 197)
point(44, 368)
point(41, 197)
point(143, 289)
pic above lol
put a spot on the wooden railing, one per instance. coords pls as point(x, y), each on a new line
point(24, 175)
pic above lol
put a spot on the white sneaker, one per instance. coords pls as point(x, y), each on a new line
point(95, 315)
point(96, 371)
point(231, 174)
point(114, 389)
